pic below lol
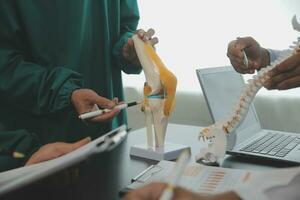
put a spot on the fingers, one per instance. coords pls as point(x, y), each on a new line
point(104, 102)
point(109, 110)
point(80, 143)
point(105, 117)
point(284, 83)
point(140, 33)
point(128, 49)
point(236, 58)
point(289, 83)
point(286, 65)
point(234, 51)
point(46, 152)
point(285, 75)
point(252, 51)
point(245, 42)
point(275, 80)
point(154, 191)
point(64, 148)
point(148, 192)
point(147, 36)
point(54, 150)
point(33, 160)
point(153, 41)
point(238, 65)
point(149, 33)
point(115, 100)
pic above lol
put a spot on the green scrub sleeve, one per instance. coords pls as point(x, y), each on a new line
point(129, 21)
point(21, 141)
point(33, 88)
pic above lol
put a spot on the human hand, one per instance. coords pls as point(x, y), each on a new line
point(258, 57)
point(129, 50)
point(153, 191)
point(84, 100)
point(285, 75)
point(54, 150)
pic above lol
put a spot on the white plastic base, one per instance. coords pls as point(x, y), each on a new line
point(169, 152)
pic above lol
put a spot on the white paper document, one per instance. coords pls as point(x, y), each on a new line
point(196, 177)
point(206, 179)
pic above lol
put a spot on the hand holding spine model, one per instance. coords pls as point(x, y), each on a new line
point(159, 92)
point(215, 134)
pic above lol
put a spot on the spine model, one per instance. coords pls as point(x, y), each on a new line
point(234, 119)
point(216, 134)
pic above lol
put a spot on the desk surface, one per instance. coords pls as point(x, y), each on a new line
point(104, 175)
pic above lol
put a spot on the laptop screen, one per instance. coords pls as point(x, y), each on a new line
point(222, 87)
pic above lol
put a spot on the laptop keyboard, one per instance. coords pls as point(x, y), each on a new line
point(273, 144)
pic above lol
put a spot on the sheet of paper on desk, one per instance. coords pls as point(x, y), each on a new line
point(206, 179)
point(198, 178)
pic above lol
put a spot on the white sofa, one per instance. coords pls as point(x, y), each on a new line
point(275, 112)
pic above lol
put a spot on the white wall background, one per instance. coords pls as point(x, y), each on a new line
point(195, 33)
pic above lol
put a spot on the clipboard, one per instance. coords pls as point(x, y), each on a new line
point(16, 178)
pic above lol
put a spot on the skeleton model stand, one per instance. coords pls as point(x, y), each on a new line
point(159, 100)
point(215, 135)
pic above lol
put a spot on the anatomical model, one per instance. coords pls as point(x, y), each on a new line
point(159, 93)
point(216, 134)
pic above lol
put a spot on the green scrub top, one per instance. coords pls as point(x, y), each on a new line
point(50, 48)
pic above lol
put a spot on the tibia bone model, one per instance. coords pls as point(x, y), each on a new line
point(215, 135)
point(159, 92)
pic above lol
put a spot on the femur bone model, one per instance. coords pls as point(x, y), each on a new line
point(159, 92)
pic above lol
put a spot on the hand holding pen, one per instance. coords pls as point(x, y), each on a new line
point(246, 55)
point(177, 172)
point(100, 112)
point(84, 101)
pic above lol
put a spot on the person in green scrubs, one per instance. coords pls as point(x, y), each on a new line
point(58, 58)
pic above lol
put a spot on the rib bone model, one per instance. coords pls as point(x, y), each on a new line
point(159, 93)
point(216, 135)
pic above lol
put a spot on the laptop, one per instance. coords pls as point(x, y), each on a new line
point(221, 88)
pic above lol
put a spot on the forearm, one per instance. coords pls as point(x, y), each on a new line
point(24, 83)
point(35, 88)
